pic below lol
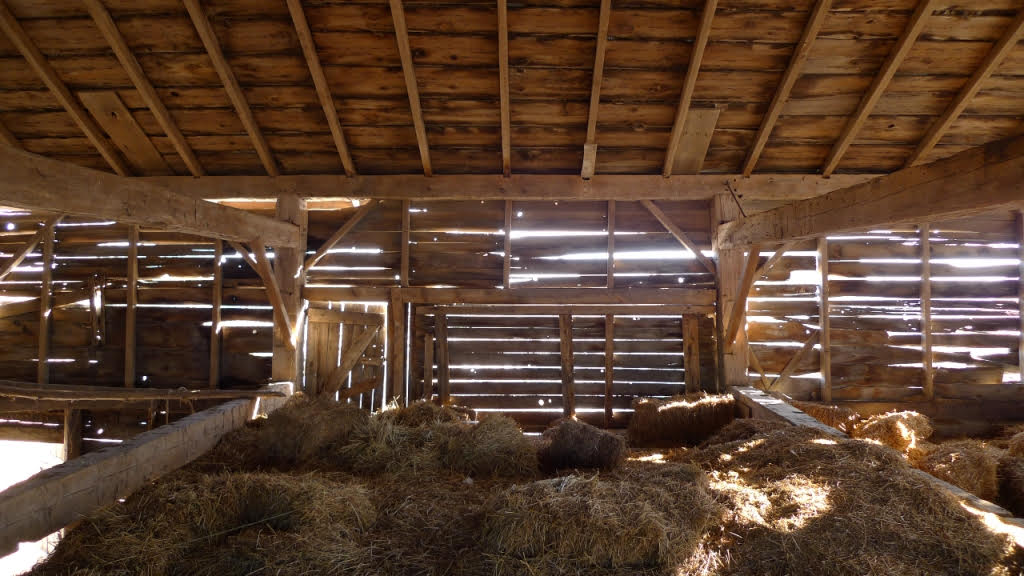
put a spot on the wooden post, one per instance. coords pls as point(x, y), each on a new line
point(1020, 293)
point(45, 313)
point(506, 272)
point(824, 323)
point(72, 433)
point(926, 312)
point(732, 359)
point(568, 383)
point(218, 298)
point(609, 367)
point(441, 332)
point(611, 244)
point(132, 300)
point(396, 346)
point(403, 276)
point(691, 353)
point(428, 366)
point(290, 275)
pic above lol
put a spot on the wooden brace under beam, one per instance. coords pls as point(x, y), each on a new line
point(339, 234)
point(679, 235)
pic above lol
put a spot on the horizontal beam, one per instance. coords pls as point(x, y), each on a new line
point(575, 310)
point(976, 180)
point(39, 184)
point(72, 393)
point(560, 296)
point(515, 187)
point(56, 497)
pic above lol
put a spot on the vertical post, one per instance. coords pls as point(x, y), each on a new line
point(568, 383)
point(45, 313)
point(403, 277)
point(286, 365)
point(218, 298)
point(72, 433)
point(926, 311)
point(824, 323)
point(611, 244)
point(441, 332)
point(132, 300)
point(396, 345)
point(428, 366)
point(1020, 293)
point(609, 367)
point(691, 353)
point(732, 360)
point(506, 270)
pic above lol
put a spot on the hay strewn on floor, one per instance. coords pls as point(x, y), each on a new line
point(839, 417)
point(900, 431)
point(968, 464)
point(679, 420)
point(575, 444)
point(744, 428)
point(1015, 445)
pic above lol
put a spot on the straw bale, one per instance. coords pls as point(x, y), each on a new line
point(838, 417)
point(969, 464)
point(425, 413)
point(897, 430)
point(1015, 445)
point(571, 443)
point(495, 446)
point(744, 428)
point(1011, 484)
point(679, 420)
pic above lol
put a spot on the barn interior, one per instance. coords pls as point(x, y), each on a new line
point(417, 246)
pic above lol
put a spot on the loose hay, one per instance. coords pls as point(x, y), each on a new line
point(575, 444)
point(839, 417)
point(574, 523)
point(1015, 445)
point(425, 413)
point(679, 420)
point(968, 464)
point(1011, 484)
point(495, 446)
point(743, 429)
point(897, 430)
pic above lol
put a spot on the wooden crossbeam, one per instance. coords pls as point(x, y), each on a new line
point(35, 183)
point(409, 71)
point(973, 181)
point(350, 358)
point(879, 84)
point(19, 256)
point(573, 309)
point(82, 393)
point(503, 89)
point(231, 86)
point(339, 234)
point(682, 297)
point(323, 89)
point(793, 71)
point(679, 235)
point(791, 366)
point(988, 66)
point(16, 34)
point(281, 312)
point(739, 309)
point(590, 145)
point(689, 84)
point(131, 66)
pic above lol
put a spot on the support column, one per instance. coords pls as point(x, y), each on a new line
point(732, 360)
point(568, 382)
point(611, 244)
point(72, 433)
point(825, 323)
point(218, 298)
point(441, 332)
point(428, 366)
point(131, 300)
point(928, 374)
point(290, 278)
point(1020, 293)
point(45, 301)
point(691, 353)
point(396, 346)
point(609, 366)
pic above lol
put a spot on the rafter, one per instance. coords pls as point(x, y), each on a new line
point(409, 71)
point(506, 104)
point(339, 234)
point(973, 181)
point(796, 66)
point(879, 84)
point(690, 82)
point(323, 89)
point(231, 86)
point(131, 66)
point(16, 34)
point(590, 146)
point(988, 66)
point(679, 235)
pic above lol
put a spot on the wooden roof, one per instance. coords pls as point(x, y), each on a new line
point(551, 50)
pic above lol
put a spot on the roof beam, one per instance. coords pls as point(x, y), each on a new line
point(231, 86)
point(323, 89)
point(775, 187)
point(879, 84)
point(796, 66)
point(131, 66)
point(409, 71)
point(973, 181)
point(692, 70)
point(506, 105)
point(989, 65)
point(18, 37)
point(40, 184)
point(590, 146)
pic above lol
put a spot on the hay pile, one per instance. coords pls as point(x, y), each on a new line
point(574, 444)
point(424, 413)
point(1011, 484)
point(743, 429)
point(574, 524)
point(679, 420)
point(1015, 445)
point(968, 464)
point(494, 447)
point(838, 417)
point(900, 431)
